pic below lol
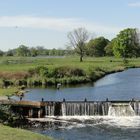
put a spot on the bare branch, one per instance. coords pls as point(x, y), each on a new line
point(77, 40)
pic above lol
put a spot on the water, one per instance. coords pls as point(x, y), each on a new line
point(121, 110)
point(118, 86)
point(77, 108)
point(121, 123)
point(89, 128)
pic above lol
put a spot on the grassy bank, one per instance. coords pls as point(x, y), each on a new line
point(7, 91)
point(50, 71)
point(8, 133)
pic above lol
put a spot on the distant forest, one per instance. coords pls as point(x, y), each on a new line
point(26, 51)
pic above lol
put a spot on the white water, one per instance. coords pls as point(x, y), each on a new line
point(83, 121)
point(120, 115)
point(121, 109)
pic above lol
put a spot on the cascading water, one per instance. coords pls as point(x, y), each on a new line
point(50, 109)
point(76, 109)
point(92, 109)
point(121, 109)
point(136, 107)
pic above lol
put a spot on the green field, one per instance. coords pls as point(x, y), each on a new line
point(14, 64)
point(9, 64)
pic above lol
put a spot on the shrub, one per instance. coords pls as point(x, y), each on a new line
point(40, 71)
point(65, 71)
point(95, 73)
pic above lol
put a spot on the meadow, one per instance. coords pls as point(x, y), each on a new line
point(16, 64)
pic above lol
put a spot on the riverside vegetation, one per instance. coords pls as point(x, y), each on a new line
point(35, 71)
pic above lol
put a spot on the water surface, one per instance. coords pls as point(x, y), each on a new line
point(118, 86)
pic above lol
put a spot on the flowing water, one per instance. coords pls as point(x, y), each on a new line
point(93, 120)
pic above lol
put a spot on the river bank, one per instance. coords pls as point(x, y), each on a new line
point(8, 133)
point(35, 72)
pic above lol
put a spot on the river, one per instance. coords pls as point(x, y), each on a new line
point(118, 86)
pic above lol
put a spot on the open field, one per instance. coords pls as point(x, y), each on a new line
point(12, 64)
point(15, 64)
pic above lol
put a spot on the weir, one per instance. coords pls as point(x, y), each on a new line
point(42, 109)
point(77, 108)
point(121, 109)
point(93, 108)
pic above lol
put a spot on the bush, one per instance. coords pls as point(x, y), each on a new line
point(40, 71)
point(96, 73)
point(65, 71)
point(7, 116)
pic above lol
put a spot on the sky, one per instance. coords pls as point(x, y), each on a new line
point(47, 22)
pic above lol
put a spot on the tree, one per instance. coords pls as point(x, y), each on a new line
point(53, 52)
point(10, 53)
point(96, 46)
point(127, 43)
point(109, 48)
point(1, 53)
point(77, 40)
point(41, 50)
point(33, 52)
point(22, 50)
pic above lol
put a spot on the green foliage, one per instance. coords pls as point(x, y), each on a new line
point(109, 48)
point(9, 53)
point(127, 43)
point(40, 70)
point(8, 117)
point(22, 50)
point(95, 73)
point(65, 71)
point(49, 71)
point(58, 72)
point(125, 62)
point(33, 52)
point(1, 53)
point(96, 46)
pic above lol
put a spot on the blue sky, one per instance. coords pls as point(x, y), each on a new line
point(47, 22)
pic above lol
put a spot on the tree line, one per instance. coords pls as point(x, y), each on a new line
point(126, 45)
point(26, 51)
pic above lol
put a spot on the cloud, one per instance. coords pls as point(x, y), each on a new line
point(134, 4)
point(60, 24)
